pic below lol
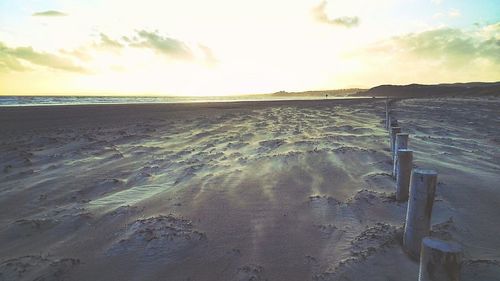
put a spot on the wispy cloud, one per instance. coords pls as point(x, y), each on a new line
point(108, 43)
point(80, 53)
point(167, 46)
point(50, 13)
point(104, 43)
point(454, 13)
point(209, 56)
point(11, 60)
point(319, 13)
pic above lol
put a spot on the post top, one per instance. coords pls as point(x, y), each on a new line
point(421, 171)
point(441, 245)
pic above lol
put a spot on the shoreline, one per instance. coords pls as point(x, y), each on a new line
point(13, 117)
point(241, 101)
point(195, 100)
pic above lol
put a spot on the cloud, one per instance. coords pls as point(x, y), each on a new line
point(454, 13)
point(108, 43)
point(20, 58)
point(319, 14)
point(50, 13)
point(432, 56)
point(8, 62)
point(491, 31)
point(209, 56)
point(80, 53)
point(11, 60)
point(451, 46)
point(86, 52)
point(167, 46)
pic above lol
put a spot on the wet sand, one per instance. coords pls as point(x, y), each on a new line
point(285, 190)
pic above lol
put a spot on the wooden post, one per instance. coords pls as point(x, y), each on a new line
point(439, 260)
point(418, 215)
point(405, 164)
point(387, 117)
point(394, 131)
point(394, 122)
point(401, 143)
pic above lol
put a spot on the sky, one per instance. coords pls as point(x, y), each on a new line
point(225, 47)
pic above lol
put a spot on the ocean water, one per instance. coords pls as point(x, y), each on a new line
point(75, 100)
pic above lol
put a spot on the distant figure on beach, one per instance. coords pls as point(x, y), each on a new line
point(326, 96)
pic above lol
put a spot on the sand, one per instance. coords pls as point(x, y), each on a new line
point(288, 190)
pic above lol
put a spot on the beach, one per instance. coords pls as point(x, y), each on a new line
point(260, 190)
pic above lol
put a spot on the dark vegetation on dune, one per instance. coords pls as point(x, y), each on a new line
point(407, 91)
point(440, 90)
point(320, 93)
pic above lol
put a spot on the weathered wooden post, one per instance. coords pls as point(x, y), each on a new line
point(401, 143)
point(405, 164)
point(418, 214)
point(394, 131)
point(439, 260)
point(387, 117)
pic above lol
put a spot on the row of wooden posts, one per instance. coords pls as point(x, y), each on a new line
point(439, 260)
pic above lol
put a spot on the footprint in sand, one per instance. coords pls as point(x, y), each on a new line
point(250, 272)
point(158, 237)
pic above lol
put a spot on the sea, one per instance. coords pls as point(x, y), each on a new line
point(89, 100)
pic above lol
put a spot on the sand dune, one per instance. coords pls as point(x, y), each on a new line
point(239, 191)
